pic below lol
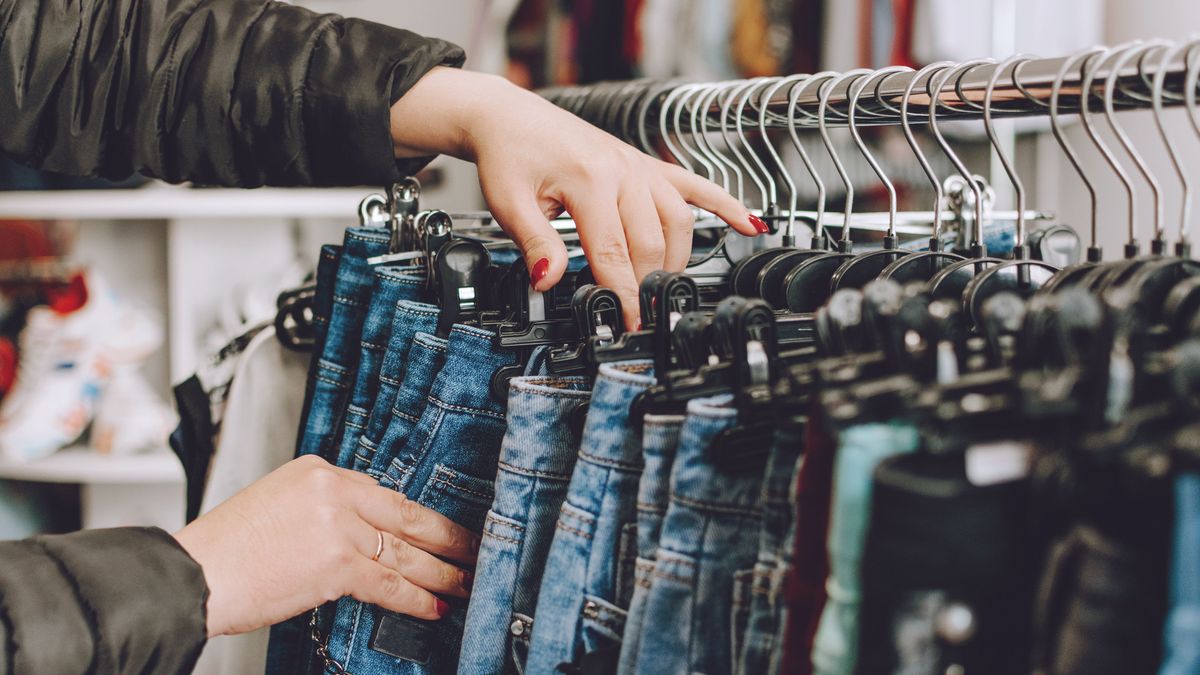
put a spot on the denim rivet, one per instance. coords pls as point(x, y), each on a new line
point(517, 628)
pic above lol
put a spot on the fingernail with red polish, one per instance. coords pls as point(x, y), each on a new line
point(759, 224)
point(442, 608)
point(540, 269)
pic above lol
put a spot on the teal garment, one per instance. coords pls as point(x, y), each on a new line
point(860, 449)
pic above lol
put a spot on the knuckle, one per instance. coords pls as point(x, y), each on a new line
point(392, 585)
point(448, 576)
point(611, 253)
point(410, 512)
point(403, 552)
point(651, 252)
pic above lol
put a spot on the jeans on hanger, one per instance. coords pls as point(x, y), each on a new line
point(762, 623)
point(581, 604)
point(536, 459)
point(709, 533)
point(787, 565)
point(290, 645)
point(1182, 635)
point(860, 449)
point(338, 361)
point(449, 465)
point(426, 358)
point(938, 543)
point(409, 319)
point(326, 277)
point(804, 587)
point(660, 440)
point(390, 288)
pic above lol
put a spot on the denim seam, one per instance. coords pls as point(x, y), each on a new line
point(464, 409)
point(646, 507)
point(436, 346)
point(323, 363)
point(612, 463)
point(366, 443)
point(473, 332)
point(572, 530)
point(370, 346)
point(360, 458)
point(398, 277)
point(715, 507)
point(439, 478)
point(402, 308)
point(627, 378)
point(614, 625)
point(356, 426)
point(390, 380)
point(348, 301)
point(552, 393)
point(492, 535)
point(335, 383)
point(405, 416)
point(350, 236)
point(512, 468)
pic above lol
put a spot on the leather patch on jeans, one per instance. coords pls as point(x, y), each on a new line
point(404, 638)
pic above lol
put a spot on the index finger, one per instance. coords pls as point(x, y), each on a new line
point(707, 195)
point(418, 525)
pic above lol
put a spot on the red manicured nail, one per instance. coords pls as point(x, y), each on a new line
point(442, 608)
point(759, 224)
point(540, 269)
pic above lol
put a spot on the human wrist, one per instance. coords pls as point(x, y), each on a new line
point(438, 113)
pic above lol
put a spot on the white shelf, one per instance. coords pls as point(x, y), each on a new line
point(158, 201)
point(88, 467)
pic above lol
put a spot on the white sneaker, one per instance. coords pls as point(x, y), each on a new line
point(65, 360)
point(131, 418)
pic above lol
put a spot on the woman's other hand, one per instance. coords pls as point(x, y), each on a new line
point(536, 160)
point(306, 534)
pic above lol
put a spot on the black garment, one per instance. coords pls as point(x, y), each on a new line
point(193, 441)
point(128, 600)
point(939, 547)
point(226, 92)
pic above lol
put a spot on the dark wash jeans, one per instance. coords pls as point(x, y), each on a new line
point(327, 267)
point(660, 439)
point(710, 532)
point(582, 602)
point(290, 647)
point(1182, 635)
point(448, 464)
point(425, 360)
point(409, 319)
point(536, 461)
point(390, 288)
point(766, 590)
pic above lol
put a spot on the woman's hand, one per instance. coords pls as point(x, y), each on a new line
point(306, 534)
point(536, 160)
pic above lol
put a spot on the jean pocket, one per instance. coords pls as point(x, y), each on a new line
point(461, 498)
point(603, 625)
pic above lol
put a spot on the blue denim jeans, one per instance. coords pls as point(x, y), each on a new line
point(766, 605)
point(338, 361)
point(787, 567)
point(425, 360)
point(860, 449)
point(336, 364)
point(390, 288)
point(710, 532)
point(660, 439)
point(536, 461)
point(1182, 653)
point(448, 464)
point(582, 602)
point(327, 266)
point(409, 319)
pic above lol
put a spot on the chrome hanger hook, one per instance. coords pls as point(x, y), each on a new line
point(1110, 87)
point(1156, 101)
point(744, 98)
point(680, 107)
point(1085, 116)
point(721, 91)
point(1005, 160)
point(700, 116)
point(1068, 149)
point(851, 119)
point(823, 95)
point(906, 126)
point(935, 97)
point(793, 98)
point(768, 94)
point(1189, 99)
point(663, 115)
point(732, 138)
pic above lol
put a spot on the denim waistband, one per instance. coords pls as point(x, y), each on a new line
point(532, 403)
point(389, 289)
point(695, 480)
point(607, 437)
point(471, 359)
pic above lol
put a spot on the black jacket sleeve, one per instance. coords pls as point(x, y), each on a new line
point(120, 601)
point(220, 92)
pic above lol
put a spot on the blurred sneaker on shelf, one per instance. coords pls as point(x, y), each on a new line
point(67, 354)
point(131, 418)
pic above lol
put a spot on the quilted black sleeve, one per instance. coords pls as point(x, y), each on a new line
point(219, 92)
point(119, 601)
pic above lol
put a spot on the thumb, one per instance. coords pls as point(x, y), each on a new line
point(544, 251)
